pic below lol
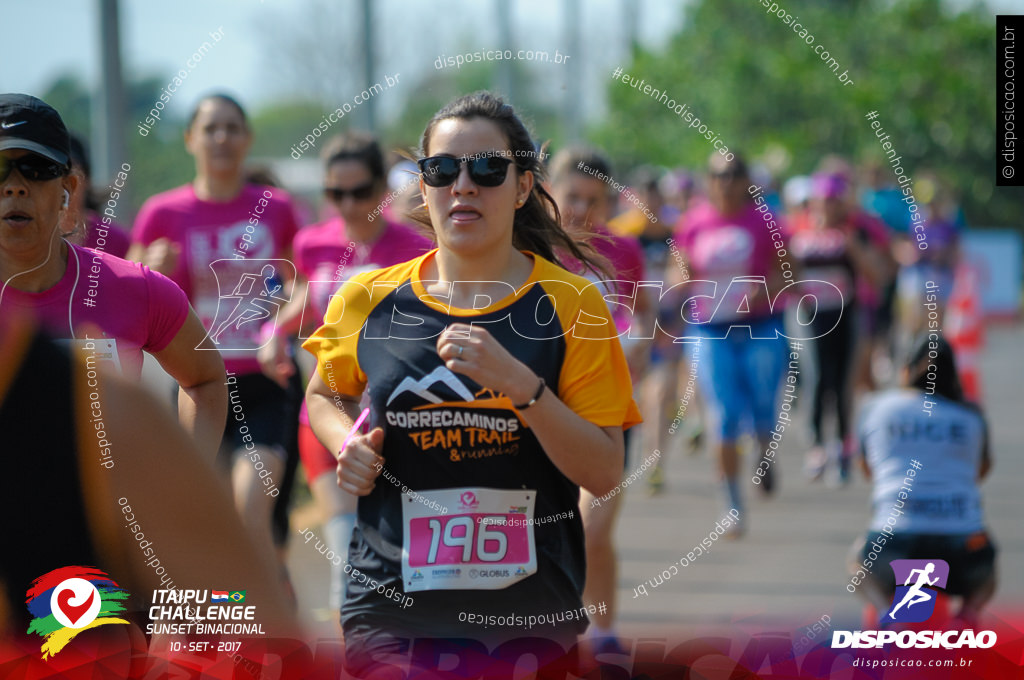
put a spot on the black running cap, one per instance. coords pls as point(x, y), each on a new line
point(31, 124)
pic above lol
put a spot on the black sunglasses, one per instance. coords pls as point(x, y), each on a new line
point(442, 171)
point(32, 167)
point(359, 193)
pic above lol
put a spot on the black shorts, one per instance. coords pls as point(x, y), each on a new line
point(971, 557)
point(258, 413)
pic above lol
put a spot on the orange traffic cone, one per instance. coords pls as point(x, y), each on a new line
point(964, 330)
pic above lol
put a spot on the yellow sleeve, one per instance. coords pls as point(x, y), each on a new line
point(334, 344)
point(630, 223)
point(594, 379)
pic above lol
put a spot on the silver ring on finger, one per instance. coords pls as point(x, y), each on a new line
point(461, 348)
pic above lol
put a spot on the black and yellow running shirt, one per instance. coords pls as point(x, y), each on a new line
point(467, 500)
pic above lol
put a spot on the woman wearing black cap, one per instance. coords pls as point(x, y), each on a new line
point(927, 450)
point(112, 309)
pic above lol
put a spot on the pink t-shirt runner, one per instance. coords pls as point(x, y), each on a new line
point(823, 256)
point(878, 235)
point(721, 248)
point(626, 258)
point(111, 238)
point(874, 233)
point(246, 240)
point(104, 297)
point(327, 258)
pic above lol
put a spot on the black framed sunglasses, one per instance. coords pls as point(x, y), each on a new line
point(32, 167)
point(359, 193)
point(442, 171)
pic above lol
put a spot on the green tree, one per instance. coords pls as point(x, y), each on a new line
point(926, 67)
point(158, 160)
point(69, 95)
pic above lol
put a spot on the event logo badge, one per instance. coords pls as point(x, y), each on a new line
point(468, 501)
point(66, 601)
point(914, 601)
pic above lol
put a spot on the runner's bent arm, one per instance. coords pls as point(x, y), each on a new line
point(587, 454)
point(193, 361)
point(331, 420)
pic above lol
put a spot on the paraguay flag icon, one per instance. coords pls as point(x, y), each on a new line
point(66, 601)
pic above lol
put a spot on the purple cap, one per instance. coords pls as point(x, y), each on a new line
point(828, 185)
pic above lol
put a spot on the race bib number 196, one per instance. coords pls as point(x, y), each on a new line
point(485, 542)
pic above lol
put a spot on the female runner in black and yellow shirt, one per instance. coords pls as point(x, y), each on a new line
point(497, 388)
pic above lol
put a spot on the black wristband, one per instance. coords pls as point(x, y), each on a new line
point(540, 391)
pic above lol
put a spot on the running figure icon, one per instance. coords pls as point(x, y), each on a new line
point(916, 594)
point(249, 306)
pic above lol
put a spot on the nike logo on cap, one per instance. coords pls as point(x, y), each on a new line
point(7, 126)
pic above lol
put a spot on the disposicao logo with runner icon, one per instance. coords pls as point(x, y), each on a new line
point(913, 601)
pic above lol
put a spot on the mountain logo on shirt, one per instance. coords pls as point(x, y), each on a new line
point(461, 427)
point(421, 387)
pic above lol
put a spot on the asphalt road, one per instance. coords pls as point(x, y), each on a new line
point(788, 570)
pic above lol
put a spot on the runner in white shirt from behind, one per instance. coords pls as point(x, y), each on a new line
point(927, 450)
